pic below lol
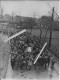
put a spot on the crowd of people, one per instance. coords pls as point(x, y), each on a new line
point(24, 50)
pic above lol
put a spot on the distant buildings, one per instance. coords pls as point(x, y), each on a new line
point(18, 22)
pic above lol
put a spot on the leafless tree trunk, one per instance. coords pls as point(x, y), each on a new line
point(45, 35)
point(40, 33)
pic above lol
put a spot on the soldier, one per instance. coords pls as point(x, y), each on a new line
point(12, 62)
point(50, 70)
point(48, 60)
point(52, 63)
point(30, 62)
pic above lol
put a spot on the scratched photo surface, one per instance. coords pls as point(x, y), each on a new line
point(29, 39)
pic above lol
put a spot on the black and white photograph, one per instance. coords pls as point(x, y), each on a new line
point(29, 39)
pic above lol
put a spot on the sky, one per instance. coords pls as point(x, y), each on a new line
point(29, 8)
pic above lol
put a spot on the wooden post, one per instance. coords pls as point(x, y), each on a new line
point(15, 35)
point(40, 52)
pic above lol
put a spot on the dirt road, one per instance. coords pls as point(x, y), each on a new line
point(32, 74)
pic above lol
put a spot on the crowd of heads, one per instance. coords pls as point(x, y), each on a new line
point(20, 54)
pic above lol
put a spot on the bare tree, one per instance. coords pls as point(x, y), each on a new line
point(32, 21)
point(40, 28)
point(45, 34)
point(12, 17)
point(20, 20)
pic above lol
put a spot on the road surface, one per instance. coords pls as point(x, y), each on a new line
point(32, 74)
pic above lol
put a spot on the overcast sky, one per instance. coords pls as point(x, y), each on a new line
point(29, 8)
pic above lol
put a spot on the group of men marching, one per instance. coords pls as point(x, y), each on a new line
point(24, 50)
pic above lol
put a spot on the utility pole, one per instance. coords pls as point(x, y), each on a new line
point(20, 22)
point(50, 38)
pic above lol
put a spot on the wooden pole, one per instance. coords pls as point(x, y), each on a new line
point(15, 35)
point(40, 52)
